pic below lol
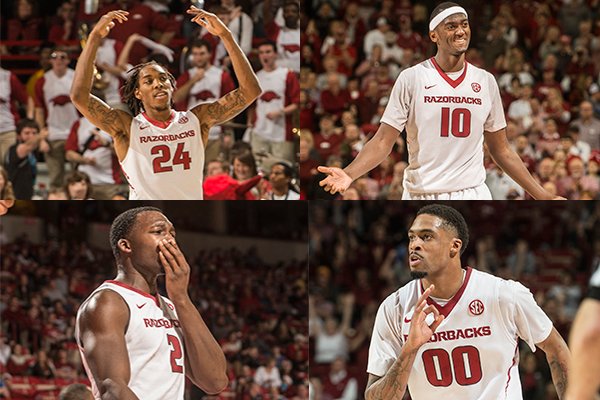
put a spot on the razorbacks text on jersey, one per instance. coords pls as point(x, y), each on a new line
point(165, 163)
point(473, 354)
point(154, 342)
point(445, 116)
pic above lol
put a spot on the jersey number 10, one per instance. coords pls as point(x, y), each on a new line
point(460, 126)
point(464, 366)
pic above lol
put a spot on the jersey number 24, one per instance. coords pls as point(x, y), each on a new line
point(176, 353)
point(163, 161)
point(458, 123)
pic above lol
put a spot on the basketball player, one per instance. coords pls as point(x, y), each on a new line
point(135, 343)
point(454, 331)
point(160, 150)
point(449, 108)
point(584, 377)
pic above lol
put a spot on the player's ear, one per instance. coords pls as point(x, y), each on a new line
point(136, 93)
point(455, 249)
point(433, 36)
point(124, 246)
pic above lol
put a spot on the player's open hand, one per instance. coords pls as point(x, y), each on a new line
point(337, 180)
point(177, 269)
point(5, 205)
point(107, 22)
point(420, 332)
point(210, 21)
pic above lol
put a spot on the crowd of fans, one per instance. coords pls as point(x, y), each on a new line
point(545, 56)
point(358, 256)
point(257, 310)
point(39, 49)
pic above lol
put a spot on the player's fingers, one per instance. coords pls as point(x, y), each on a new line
point(165, 263)
point(167, 253)
point(171, 245)
point(425, 295)
point(325, 170)
point(325, 182)
point(436, 323)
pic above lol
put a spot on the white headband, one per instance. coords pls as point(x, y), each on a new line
point(445, 14)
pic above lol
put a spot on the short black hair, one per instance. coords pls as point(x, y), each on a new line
point(199, 43)
point(76, 391)
point(441, 7)
point(268, 42)
point(452, 220)
point(26, 123)
point(121, 226)
point(287, 170)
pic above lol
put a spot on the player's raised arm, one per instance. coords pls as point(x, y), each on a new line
point(395, 381)
point(102, 326)
point(237, 100)
point(114, 122)
point(374, 152)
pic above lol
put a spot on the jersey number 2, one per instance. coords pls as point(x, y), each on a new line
point(461, 122)
point(164, 157)
point(176, 353)
point(464, 365)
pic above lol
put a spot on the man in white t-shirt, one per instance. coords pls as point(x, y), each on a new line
point(135, 343)
point(453, 332)
point(449, 108)
point(161, 151)
point(584, 378)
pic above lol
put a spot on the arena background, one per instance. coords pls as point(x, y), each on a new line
point(31, 29)
point(358, 257)
point(545, 55)
point(248, 281)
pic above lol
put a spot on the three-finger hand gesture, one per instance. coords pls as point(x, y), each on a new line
point(420, 332)
point(107, 22)
point(337, 180)
point(210, 21)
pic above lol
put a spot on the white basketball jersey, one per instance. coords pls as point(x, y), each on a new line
point(61, 113)
point(272, 98)
point(207, 89)
point(445, 118)
point(288, 48)
point(473, 354)
point(165, 164)
point(154, 344)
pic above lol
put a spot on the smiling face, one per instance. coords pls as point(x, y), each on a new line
point(154, 89)
point(431, 246)
point(452, 35)
point(149, 229)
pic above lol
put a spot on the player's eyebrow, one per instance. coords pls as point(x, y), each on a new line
point(457, 22)
point(426, 230)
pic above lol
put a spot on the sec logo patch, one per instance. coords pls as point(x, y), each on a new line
point(476, 307)
point(476, 87)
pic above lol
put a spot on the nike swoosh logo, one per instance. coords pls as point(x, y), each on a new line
point(429, 87)
point(143, 127)
point(140, 306)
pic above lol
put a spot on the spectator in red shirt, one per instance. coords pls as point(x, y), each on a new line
point(25, 25)
point(64, 27)
point(328, 141)
point(337, 44)
point(142, 20)
point(334, 99)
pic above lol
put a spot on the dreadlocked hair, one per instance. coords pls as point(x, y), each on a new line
point(135, 105)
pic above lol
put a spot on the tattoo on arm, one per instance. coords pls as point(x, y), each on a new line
point(104, 117)
point(393, 385)
point(558, 370)
point(226, 107)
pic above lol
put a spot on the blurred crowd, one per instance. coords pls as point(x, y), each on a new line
point(42, 134)
point(544, 54)
point(358, 256)
point(257, 311)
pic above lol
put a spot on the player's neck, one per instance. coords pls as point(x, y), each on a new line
point(446, 284)
point(280, 192)
point(449, 62)
point(161, 116)
point(137, 280)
